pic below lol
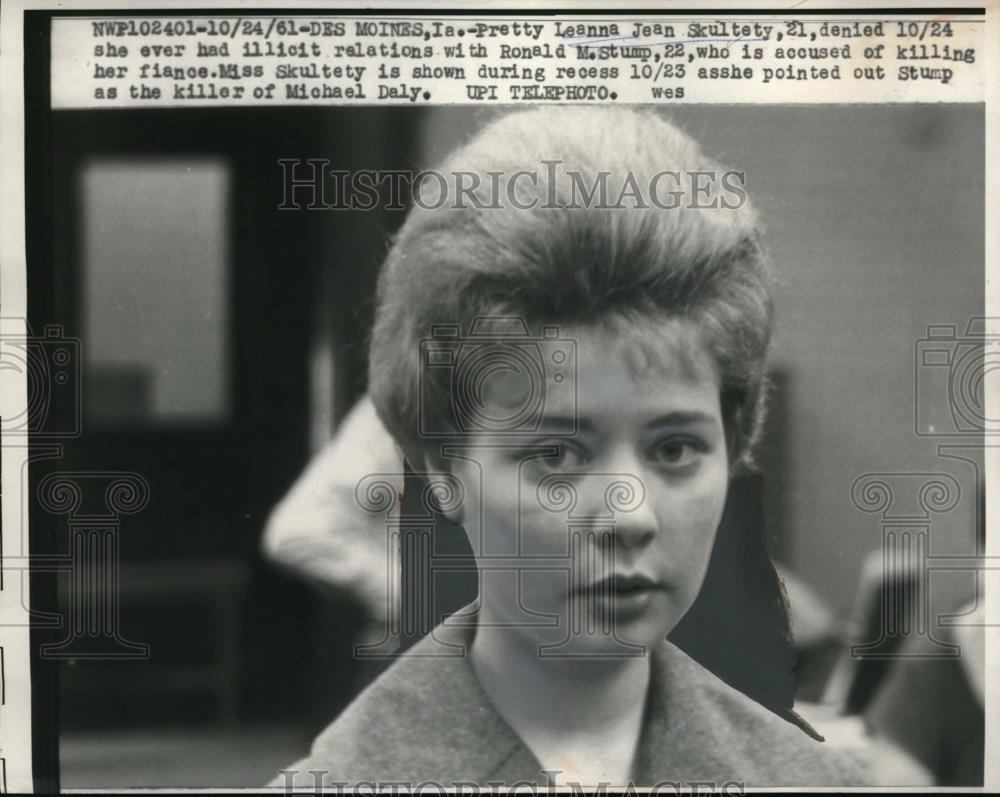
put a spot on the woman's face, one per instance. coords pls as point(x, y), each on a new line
point(593, 533)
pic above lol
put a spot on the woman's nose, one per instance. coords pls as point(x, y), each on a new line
point(621, 500)
point(635, 524)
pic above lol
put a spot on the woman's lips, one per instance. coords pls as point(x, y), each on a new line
point(623, 584)
point(623, 594)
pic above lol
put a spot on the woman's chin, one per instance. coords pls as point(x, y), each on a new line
point(612, 632)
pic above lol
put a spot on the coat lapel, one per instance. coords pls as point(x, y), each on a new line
point(453, 725)
point(427, 719)
point(460, 730)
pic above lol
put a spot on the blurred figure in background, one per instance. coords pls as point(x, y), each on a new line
point(917, 701)
point(320, 532)
point(932, 706)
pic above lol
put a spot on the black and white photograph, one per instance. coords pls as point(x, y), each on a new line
point(607, 403)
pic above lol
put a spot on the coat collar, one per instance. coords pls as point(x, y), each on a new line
point(462, 717)
point(427, 719)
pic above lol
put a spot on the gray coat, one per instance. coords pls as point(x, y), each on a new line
point(426, 719)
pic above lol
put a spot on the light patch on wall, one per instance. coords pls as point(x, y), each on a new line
point(156, 303)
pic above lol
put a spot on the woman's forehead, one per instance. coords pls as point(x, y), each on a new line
point(646, 347)
point(642, 368)
point(636, 373)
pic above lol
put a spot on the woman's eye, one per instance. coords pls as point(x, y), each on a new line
point(567, 456)
point(677, 451)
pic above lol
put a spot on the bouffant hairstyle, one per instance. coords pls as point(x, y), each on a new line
point(576, 216)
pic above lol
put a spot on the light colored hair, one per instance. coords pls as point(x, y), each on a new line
point(572, 262)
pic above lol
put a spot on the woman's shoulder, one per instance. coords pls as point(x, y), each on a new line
point(727, 731)
point(424, 718)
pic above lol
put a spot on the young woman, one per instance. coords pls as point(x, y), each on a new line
point(573, 352)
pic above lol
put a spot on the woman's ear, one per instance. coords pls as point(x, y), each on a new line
point(444, 488)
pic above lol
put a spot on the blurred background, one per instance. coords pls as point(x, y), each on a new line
point(223, 341)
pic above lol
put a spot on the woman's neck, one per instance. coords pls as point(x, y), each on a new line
point(580, 716)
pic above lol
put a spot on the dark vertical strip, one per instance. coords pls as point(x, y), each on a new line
point(41, 297)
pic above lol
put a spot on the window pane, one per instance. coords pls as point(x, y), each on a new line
point(156, 305)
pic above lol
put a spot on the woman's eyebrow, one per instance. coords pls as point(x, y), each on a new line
point(564, 425)
point(568, 425)
point(679, 418)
